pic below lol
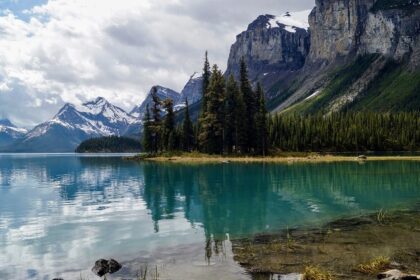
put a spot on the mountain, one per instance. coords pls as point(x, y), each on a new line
point(162, 92)
point(274, 48)
point(73, 124)
point(364, 56)
point(9, 133)
point(343, 55)
point(192, 91)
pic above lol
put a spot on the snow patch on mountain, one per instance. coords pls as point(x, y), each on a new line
point(290, 21)
point(6, 126)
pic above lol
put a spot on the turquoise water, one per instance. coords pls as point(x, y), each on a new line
point(59, 213)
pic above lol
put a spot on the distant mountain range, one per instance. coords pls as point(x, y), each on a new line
point(342, 55)
point(72, 125)
point(9, 133)
point(98, 118)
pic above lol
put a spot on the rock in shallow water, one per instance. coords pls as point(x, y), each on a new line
point(113, 266)
point(103, 267)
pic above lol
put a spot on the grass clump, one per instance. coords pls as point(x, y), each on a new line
point(375, 266)
point(316, 273)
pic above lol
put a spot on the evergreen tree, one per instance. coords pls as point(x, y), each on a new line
point(157, 122)
point(204, 100)
point(211, 135)
point(169, 126)
point(261, 123)
point(241, 145)
point(147, 132)
point(187, 130)
point(206, 82)
point(250, 106)
point(230, 114)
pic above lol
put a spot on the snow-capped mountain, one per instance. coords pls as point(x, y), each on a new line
point(74, 124)
point(162, 92)
point(9, 133)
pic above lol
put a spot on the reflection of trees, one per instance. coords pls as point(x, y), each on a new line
point(246, 199)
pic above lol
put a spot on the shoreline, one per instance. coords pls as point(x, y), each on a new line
point(271, 159)
point(358, 247)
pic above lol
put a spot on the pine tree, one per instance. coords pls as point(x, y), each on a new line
point(157, 122)
point(169, 126)
point(147, 131)
point(250, 106)
point(204, 101)
point(230, 114)
point(240, 124)
point(187, 130)
point(211, 135)
point(261, 123)
point(206, 82)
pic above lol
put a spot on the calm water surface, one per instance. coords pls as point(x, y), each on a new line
point(59, 213)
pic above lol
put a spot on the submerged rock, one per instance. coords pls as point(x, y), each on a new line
point(103, 267)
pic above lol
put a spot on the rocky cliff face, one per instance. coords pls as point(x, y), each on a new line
point(192, 91)
point(382, 36)
point(272, 47)
point(341, 29)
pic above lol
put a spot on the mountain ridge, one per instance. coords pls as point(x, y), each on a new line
point(75, 123)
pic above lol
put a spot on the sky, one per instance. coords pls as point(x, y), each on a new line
point(58, 51)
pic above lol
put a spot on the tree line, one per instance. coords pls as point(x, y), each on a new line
point(348, 131)
point(233, 118)
point(111, 144)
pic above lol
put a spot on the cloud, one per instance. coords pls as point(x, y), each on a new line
point(73, 51)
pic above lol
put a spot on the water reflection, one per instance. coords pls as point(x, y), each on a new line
point(60, 213)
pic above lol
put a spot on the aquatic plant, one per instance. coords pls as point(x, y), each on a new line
point(143, 273)
point(381, 216)
point(375, 266)
point(316, 273)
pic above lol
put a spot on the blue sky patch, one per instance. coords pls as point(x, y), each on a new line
point(18, 6)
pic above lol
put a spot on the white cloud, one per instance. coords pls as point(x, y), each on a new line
point(72, 51)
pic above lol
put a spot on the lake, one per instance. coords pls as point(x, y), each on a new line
point(60, 213)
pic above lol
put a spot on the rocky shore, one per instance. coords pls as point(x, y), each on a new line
point(378, 246)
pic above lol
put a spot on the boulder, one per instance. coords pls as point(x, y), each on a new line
point(103, 267)
point(113, 266)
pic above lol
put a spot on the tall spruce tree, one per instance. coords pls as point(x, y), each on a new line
point(147, 131)
point(204, 101)
point(230, 114)
point(261, 123)
point(169, 126)
point(187, 130)
point(206, 82)
point(211, 135)
point(250, 106)
point(241, 142)
point(157, 121)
